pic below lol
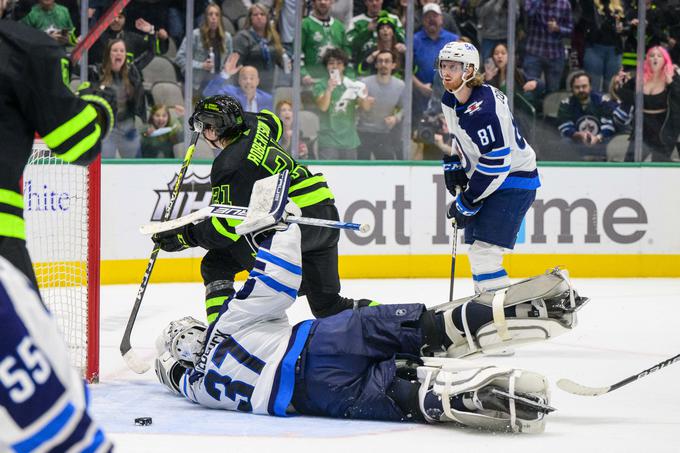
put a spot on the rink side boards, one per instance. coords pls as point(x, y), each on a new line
point(612, 220)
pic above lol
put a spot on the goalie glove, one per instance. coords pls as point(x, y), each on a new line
point(104, 101)
point(454, 174)
point(175, 240)
point(463, 210)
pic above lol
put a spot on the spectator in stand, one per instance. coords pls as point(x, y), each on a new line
point(259, 45)
point(585, 121)
point(548, 23)
point(53, 19)
point(602, 21)
point(362, 31)
point(338, 97)
point(379, 127)
point(320, 32)
point(661, 111)
point(211, 46)
point(659, 18)
point(492, 24)
point(342, 10)
point(284, 110)
point(427, 43)
point(141, 48)
point(162, 133)
point(387, 41)
point(125, 79)
point(251, 98)
point(495, 74)
point(448, 22)
point(177, 12)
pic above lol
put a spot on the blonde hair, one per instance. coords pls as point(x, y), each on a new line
point(476, 81)
point(615, 8)
point(270, 32)
point(205, 29)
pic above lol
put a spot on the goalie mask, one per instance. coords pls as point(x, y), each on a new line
point(184, 339)
point(223, 114)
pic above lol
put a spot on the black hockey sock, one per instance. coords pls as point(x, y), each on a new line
point(433, 330)
point(477, 315)
point(405, 394)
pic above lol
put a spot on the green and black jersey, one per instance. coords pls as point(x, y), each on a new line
point(255, 155)
point(35, 97)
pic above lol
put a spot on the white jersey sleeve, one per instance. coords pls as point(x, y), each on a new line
point(492, 149)
point(251, 350)
point(43, 401)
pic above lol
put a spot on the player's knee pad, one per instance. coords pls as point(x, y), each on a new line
point(486, 397)
point(544, 307)
point(486, 262)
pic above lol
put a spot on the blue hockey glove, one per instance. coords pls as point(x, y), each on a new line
point(175, 240)
point(463, 210)
point(454, 174)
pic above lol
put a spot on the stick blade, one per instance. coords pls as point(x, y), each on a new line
point(575, 388)
point(135, 363)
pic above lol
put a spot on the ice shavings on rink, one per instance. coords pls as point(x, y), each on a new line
point(629, 325)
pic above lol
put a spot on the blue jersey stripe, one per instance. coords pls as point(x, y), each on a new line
point(518, 182)
point(492, 170)
point(48, 431)
point(273, 284)
point(498, 152)
point(286, 383)
point(489, 276)
point(96, 442)
point(287, 265)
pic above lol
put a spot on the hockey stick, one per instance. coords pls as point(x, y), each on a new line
point(133, 361)
point(95, 32)
point(578, 389)
point(453, 258)
point(236, 212)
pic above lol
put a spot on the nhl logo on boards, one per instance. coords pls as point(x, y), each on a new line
point(472, 108)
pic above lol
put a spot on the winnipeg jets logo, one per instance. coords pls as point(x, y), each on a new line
point(472, 108)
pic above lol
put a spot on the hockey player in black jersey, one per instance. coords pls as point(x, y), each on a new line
point(250, 151)
point(35, 97)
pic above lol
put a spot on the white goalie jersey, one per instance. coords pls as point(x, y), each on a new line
point(491, 147)
point(251, 349)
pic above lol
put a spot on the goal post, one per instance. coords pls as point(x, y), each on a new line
point(62, 214)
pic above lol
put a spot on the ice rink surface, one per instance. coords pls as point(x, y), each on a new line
point(628, 326)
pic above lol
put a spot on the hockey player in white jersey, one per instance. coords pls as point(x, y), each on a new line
point(492, 172)
point(252, 360)
point(43, 400)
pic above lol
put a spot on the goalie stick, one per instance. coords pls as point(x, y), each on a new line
point(132, 359)
point(579, 389)
point(96, 31)
point(237, 212)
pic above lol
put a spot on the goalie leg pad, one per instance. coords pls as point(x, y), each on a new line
point(532, 310)
point(493, 398)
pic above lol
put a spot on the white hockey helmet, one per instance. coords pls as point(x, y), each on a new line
point(462, 52)
point(184, 339)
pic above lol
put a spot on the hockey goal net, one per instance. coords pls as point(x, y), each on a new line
point(61, 209)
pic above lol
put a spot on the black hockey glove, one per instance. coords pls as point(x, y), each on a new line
point(103, 99)
point(463, 210)
point(454, 174)
point(175, 240)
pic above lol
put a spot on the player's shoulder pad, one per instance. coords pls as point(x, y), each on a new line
point(273, 121)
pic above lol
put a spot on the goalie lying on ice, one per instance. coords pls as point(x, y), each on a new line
point(252, 360)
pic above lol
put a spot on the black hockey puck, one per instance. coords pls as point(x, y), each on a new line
point(143, 421)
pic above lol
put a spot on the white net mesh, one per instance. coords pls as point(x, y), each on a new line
point(56, 214)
